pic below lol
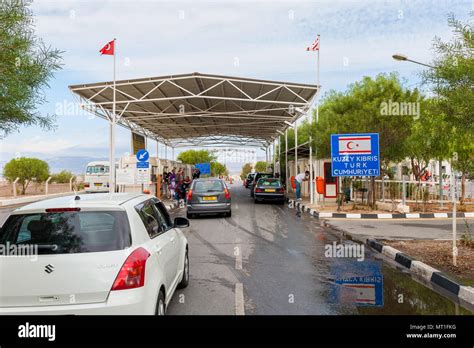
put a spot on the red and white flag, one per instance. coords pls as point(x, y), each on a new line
point(364, 293)
point(314, 46)
point(355, 144)
point(109, 48)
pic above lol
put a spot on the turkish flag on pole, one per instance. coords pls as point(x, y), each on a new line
point(108, 48)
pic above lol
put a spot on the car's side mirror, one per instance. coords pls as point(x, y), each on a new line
point(181, 222)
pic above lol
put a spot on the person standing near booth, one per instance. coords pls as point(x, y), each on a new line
point(299, 181)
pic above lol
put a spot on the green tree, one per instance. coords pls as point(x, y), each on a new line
point(463, 146)
point(27, 170)
point(430, 138)
point(196, 156)
point(26, 66)
point(62, 177)
point(453, 75)
point(246, 169)
point(261, 166)
point(361, 110)
point(218, 169)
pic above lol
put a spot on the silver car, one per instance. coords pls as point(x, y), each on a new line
point(208, 196)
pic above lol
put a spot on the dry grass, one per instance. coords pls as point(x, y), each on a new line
point(438, 254)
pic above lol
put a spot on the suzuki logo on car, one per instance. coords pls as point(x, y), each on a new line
point(49, 268)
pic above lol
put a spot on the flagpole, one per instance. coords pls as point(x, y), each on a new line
point(317, 112)
point(317, 81)
point(112, 135)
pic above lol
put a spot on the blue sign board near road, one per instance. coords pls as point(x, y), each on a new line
point(204, 168)
point(359, 283)
point(143, 165)
point(363, 290)
point(355, 154)
point(143, 155)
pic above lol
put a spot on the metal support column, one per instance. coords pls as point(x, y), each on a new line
point(311, 183)
point(296, 149)
point(287, 181)
point(274, 157)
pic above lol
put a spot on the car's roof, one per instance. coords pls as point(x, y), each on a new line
point(207, 179)
point(106, 200)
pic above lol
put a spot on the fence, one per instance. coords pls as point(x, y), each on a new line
point(7, 190)
point(410, 191)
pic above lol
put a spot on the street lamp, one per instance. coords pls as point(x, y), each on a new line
point(403, 58)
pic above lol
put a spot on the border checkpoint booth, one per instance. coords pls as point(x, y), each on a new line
point(197, 110)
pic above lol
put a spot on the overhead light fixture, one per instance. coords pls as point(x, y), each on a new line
point(399, 57)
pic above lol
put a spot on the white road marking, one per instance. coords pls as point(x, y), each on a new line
point(238, 257)
point(239, 299)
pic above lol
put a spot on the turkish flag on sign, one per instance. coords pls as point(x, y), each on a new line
point(108, 48)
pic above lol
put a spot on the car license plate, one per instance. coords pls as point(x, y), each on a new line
point(269, 190)
point(98, 184)
point(209, 198)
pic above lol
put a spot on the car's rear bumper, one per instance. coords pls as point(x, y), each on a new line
point(121, 302)
point(270, 196)
point(202, 208)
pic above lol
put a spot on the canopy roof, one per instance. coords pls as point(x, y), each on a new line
point(200, 109)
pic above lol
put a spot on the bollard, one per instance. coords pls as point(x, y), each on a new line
point(383, 188)
point(404, 192)
point(46, 187)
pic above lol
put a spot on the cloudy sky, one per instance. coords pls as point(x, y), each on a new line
point(266, 38)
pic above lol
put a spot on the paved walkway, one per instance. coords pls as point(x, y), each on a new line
point(403, 229)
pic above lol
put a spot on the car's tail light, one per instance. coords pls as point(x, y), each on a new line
point(190, 194)
point(61, 210)
point(281, 189)
point(258, 190)
point(86, 184)
point(227, 194)
point(132, 273)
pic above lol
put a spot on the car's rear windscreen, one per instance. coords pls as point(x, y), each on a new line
point(68, 232)
point(269, 182)
point(208, 186)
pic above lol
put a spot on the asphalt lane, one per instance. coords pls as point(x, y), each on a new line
point(266, 250)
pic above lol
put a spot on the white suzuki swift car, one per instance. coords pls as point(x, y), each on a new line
point(92, 254)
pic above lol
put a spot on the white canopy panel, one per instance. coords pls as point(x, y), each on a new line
point(199, 109)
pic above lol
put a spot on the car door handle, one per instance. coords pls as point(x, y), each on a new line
point(172, 239)
point(159, 250)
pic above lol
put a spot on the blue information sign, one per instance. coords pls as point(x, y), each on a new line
point(143, 155)
point(204, 168)
point(143, 165)
point(355, 154)
point(360, 283)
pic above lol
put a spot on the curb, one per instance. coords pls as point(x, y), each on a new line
point(381, 216)
point(465, 293)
